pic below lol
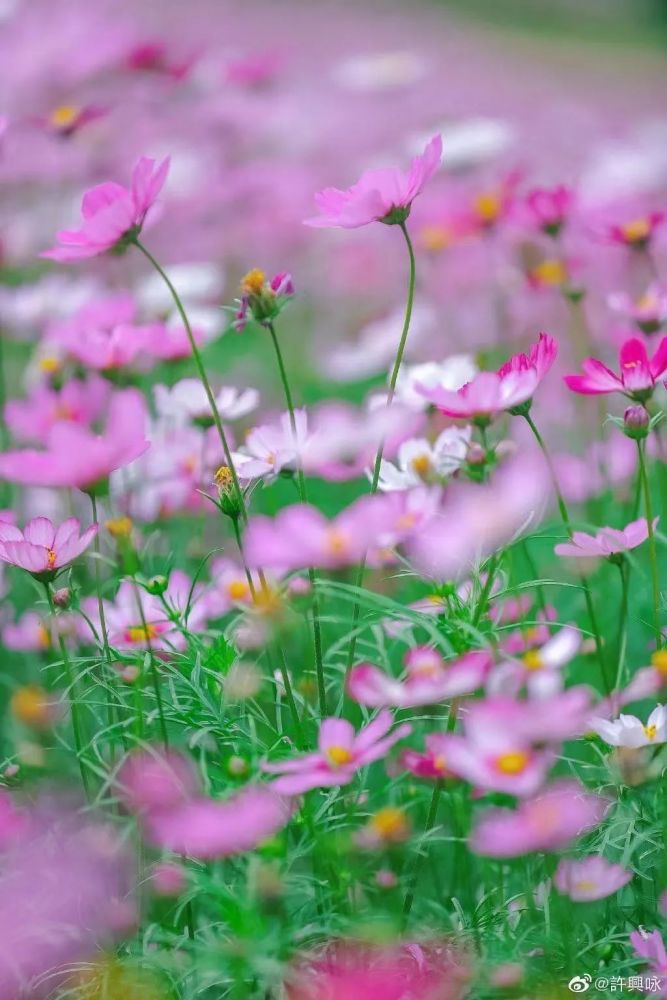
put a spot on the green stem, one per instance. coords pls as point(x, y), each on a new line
point(486, 589)
point(303, 494)
point(622, 641)
point(390, 397)
point(430, 821)
point(582, 579)
point(155, 679)
point(201, 370)
point(653, 558)
point(71, 685)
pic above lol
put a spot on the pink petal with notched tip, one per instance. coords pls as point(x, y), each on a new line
point(40, 531)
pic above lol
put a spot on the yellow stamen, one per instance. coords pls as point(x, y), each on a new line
point(439, 763)
point(512, 762)
point(487, 206)
point(435, 238)
point(253, 282)
point(436, 599)
point(422, 465)
point(336, 542)
point(223, 478)
point(584, 885)
point(532, 660)
point(238, 590)
point(338, 756)
point(119, 527)
point(390, 824)
point(141, 633)
point(650, 732)
point(659, 661)
point(49, 365)
point(550, 272)
point(64, 116)
point(43, 637)
point(51, 557)
point(636, 231)
point(30, 705)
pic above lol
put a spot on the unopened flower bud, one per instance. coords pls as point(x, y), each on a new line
point(385, 879)
point(230, 500)
point(636, 420)
point(130, 673)
point(155, 585)
point(237, 766)
point(243, 681)
point(168, 879)
point(62, 597)
point(476, 454)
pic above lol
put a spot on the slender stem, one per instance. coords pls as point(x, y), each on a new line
point(303, 494)
point(622, 641)
point(486, 589)
point(390, 398)
point(201, 370)
point(155, 679)
point(653, 558)
point(71, 685)
point(568, 525)
point(419, 860)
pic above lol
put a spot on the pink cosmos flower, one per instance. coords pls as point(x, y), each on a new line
point(636, 233)
point(548, 822)
point(75, 456)
point(430, 679)
point(539, 667)
point(271, 448)
point(341, 753)
point(638, 377)
point(410, 971)
point(550, 207)
point(301, 536)
point(651, 948)
point(154, 57)
point(78, 402)
point(607, 542)
point(112, 214)
point(534, 720)
point(590, 878)
point(648, 312)
point(432, 762)
point(419, 461)
point(174, 815)
point(491, 393)
point(262, 300)
point(30, 632)
point(41, 548)
point(66, 119)
point(383, 195)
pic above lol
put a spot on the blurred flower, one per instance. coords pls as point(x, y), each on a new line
point(589, 878)
point(638, 377)
point(41, 548)
point(271, 448)
point(539, 667)
point(562, 812)
point(385, 827)
point(430, 764)
point(636, 233)
point(35, 707)
point(648, 312)
point(451, 374)
point(78, 402)
point(384, 195)
point(607, 542)
point(75, 456)
point(651, 948)
point(262, 300)
point(629, 731)
point(430, 679)
point(112, 215)
point(341, 753)
point(550, 207)
point(187, 400)
point(28, 633)
point(420, 462)
point(66, 119)
point(168, 879)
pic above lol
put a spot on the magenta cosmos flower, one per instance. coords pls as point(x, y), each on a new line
point(164, 790)
point(607, 542)
point(636, 233)
point(341, 753)
point(550, 207)
point(75, 456)
point(383, 195)
point(112, 214)
point(41, 548)
point(553, 819)
point(429, 679)
point(590, 878)
point(510, 388)
point(638, 376)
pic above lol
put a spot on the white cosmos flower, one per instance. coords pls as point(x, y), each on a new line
point(187, 400)
point(420, 462)
point(451, 374)
point(629, 731)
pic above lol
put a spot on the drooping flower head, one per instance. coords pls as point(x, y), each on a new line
point(113, 215)
point(383, 195)
point(638, 376)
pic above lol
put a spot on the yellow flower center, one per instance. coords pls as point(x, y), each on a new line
point(439, 762)
point(512, 762)
point(51, 557)
point(141, 633)
point(647, 301)
point(435, 238)
point(49, 365)
point(650, 732)
point(585, 885)
point(267, 601)
point(43, 637)
point(119, 527)
point(338, 756)
point(421, 464)
point(253, 282)
point(487, 206)
point(637, 230)
point(223, 478)
point(532, 660)
point(659, 661)
point(550, 272)
point(64, 116)
point(390, 824)
point(30, 705)
point(336, 542)
point(237, 590)
point(436, 599)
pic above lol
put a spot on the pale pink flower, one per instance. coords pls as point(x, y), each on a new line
point(539, 668)
point(187, 400)
point(550, 207)
point(168, 879)
point(629, 731)
point(553, 819)
point(430, 679)
point(341, 753)
point(638, 377)
point(112, 214)
point(41, 548)
point(78, 402)
point(29, 632)
point(75, 456)
point(590, 878)
point(651, 948)
point(607, 542)
point(491, 393)
point(383, 195)
point(271, 448)
point(648, 312)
